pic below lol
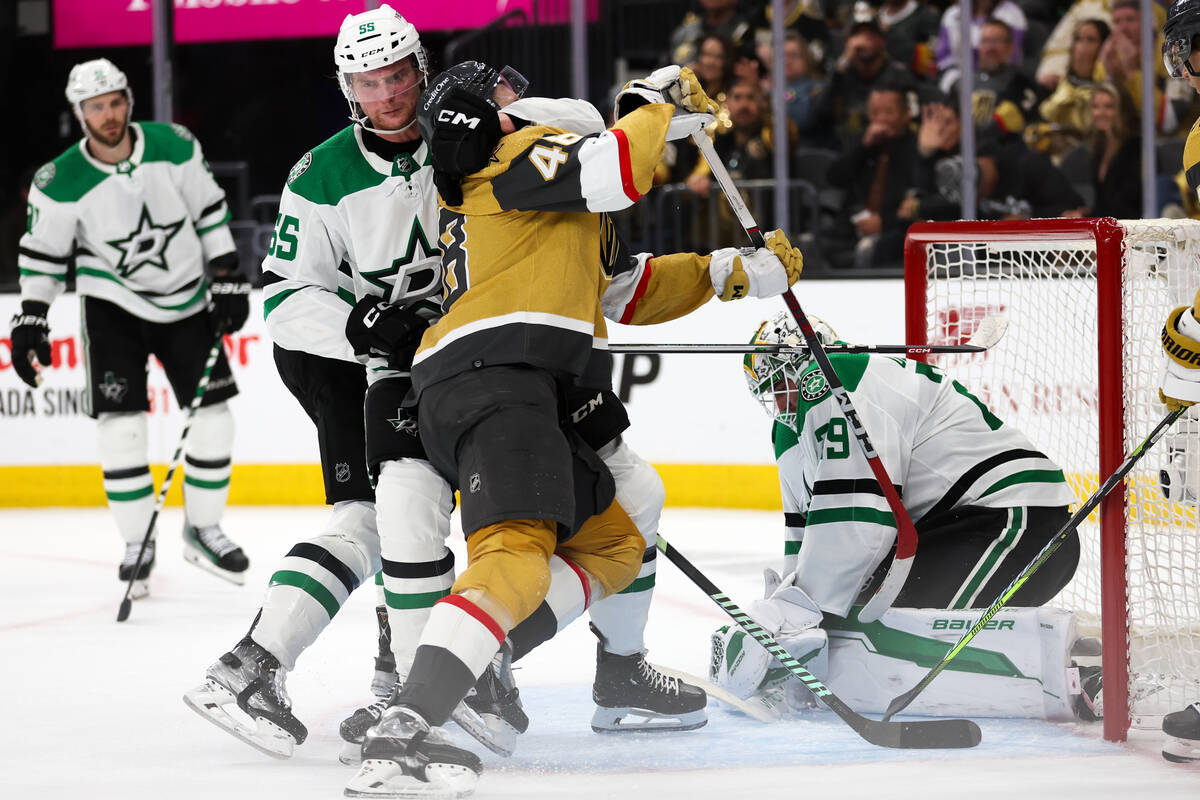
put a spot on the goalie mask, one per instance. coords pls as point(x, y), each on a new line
point(1182, 26)
point(774, 378)
point(371, 54)
point(92, 79)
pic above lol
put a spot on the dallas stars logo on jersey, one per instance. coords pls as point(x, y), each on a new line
point(145, 246)
point(812, 386)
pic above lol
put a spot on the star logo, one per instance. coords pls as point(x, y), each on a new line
point(145, 246)
point(414, 275)
point(404, 423)
point(813, 386)
point(113, 388)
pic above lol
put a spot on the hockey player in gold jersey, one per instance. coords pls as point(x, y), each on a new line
point(526, 273)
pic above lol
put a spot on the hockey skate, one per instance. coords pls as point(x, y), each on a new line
point(141, 584)
point(491, 712)
point(210, 549)
point(403, 757)
point(355, 727)
point(1089, 703)
point(243, 692)
point(631, 695)
point(1183, 735)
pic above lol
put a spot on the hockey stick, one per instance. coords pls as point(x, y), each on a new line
point(942, 733)
point(987, 335)
point(754, 710)
point(902, 701)
point(201, 387)
point(906, 534)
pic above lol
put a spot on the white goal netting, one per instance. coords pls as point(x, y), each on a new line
point(1045, 376)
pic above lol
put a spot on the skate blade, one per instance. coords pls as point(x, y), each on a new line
point(209, 701)
point(1181, 751)
point(195, 556)
point(639, 720)
point(489, 730)
point(378, 778)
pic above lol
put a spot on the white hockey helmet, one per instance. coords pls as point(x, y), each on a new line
point(92, 79)
point(774, 378)
point(374, 39)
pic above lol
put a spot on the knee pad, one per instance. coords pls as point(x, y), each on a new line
point(640, 490)
point(211, 437)
point(352, 539)
point(122, 439)
point(609, 547)
point(509, 565)
point(413, 504)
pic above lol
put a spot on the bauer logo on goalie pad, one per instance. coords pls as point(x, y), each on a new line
point(813, 386)
point(963, 624)
point(300, 167)
point(42, 178)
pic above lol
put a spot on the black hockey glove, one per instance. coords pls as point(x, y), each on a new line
point(30, 338)
point(378, 328)
point(230, 304)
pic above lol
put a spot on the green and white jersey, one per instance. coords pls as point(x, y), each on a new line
point(350, 224)
point(941, 446)
point(140, 230)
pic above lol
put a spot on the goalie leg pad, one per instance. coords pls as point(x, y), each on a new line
point(122, 441)
point(315, 578)
point(743, 667)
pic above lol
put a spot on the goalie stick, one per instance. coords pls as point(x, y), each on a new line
point(926, 734)
point(987, 335)
point(900, 702)
point(906, 534)
point(201, 387)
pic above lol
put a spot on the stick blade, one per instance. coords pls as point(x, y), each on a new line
point(123, 611)
point(940, 734)
point(990, 331)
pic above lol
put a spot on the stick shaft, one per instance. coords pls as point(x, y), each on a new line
point(721, 347)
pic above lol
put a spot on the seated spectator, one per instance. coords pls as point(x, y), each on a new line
point(876, 174)
point(1004, 100)
point(1121, 60)
point(864, 63)
point(716, 17)
point(937, 177)
point(946, 50)
point(1116, 150)
point(911, 28)
point(1019, 183)
point(744, 145)
point(804, 83)
point(805, 17)
point(1067, 110)
point(714, 67)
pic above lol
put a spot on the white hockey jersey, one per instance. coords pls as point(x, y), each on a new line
point(140, 230)
point(352, 224)
point(940, 445)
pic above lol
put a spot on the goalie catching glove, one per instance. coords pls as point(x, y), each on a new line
point(378, 328)
point(765, 272)
point(30, 338)
point(1181, 341)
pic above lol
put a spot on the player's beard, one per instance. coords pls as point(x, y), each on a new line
point(108, 140)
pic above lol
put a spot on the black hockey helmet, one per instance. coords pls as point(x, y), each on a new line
point(1181, 28)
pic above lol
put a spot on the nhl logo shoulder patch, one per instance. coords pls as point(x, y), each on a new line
point(301, 166)
point(45, 174)
point(813, 386)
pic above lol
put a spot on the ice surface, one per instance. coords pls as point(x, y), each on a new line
point(91, 709)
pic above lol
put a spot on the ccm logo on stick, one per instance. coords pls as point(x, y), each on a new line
point(458, 118)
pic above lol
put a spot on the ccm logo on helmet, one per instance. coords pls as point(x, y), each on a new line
point(372, 52)
point(458, 118)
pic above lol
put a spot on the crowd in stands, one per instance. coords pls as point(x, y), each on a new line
point(873, 112)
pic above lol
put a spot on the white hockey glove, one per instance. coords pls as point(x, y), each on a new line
point(1181, 341)
point(636, 93)
point(765, 272)
point(1178, 475)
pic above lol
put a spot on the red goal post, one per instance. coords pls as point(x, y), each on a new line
point(1078, 373)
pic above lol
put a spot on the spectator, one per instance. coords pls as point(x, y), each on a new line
point(876, 174)
point(803, 83)
point(1116, 150)
point(717, 17)
point(911, 28)
point(805, 17)
point(938, 173)
point(1019, 183)
point(1067, 110)
point(842, 106)
point(946, 50)
point(1121, 59)
point(745, 146)
point(1004, 100)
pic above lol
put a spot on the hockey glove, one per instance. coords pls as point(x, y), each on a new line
point(764, 272)
point(1181, 379)
point(30, 339)
point(1177, 477)
point(636, 94)
point(377, 328)
point(230, 292)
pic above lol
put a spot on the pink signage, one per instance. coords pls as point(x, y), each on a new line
point(111, 23)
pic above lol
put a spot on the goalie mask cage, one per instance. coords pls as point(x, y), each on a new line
point(1078, 372)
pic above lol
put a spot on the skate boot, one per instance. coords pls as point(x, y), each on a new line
point(631, 695)
point(141, 583)
point(491, 712)
point(210, 549)
point(355, 726)
point(1183, 735)
point(403, 757)
point(243, 692)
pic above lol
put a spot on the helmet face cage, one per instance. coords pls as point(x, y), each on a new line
point(369, 41)
point(774, 378)
point(1175, 54)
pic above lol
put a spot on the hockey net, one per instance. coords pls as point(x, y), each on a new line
point(1078, 372)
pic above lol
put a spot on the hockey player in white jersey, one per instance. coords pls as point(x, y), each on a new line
point(137, 208)
point(984, 501)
